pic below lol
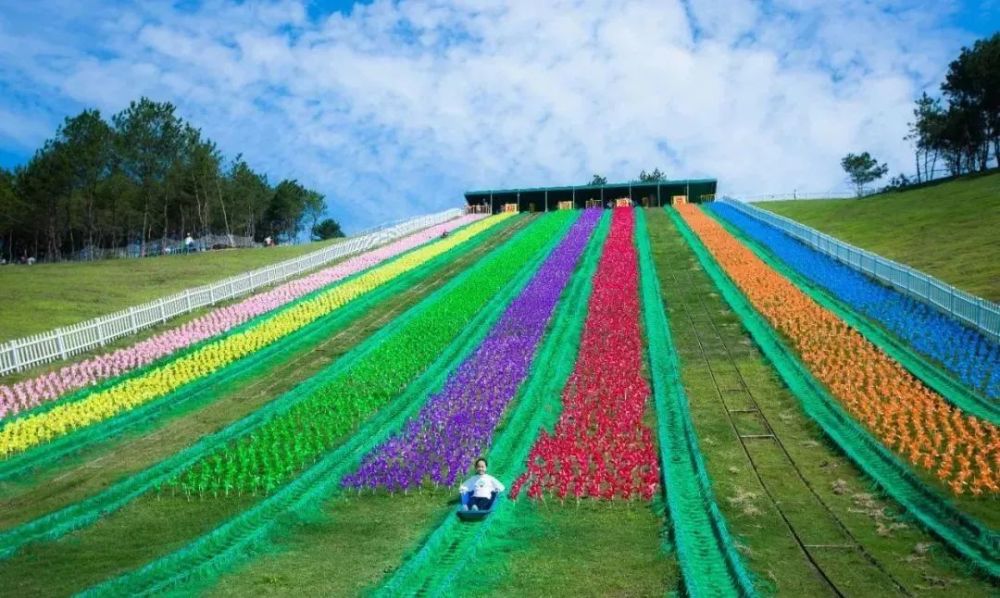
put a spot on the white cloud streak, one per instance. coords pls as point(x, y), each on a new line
point(396, 108)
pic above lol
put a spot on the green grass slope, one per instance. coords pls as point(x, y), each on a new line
point(950, 230)
point(41, 297)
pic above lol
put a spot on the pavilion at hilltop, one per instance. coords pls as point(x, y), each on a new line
point(544, 199)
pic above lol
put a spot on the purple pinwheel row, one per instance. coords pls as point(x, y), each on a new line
point(457, 423)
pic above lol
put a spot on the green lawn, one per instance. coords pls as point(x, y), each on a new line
point(948, 230)
point(41, 297)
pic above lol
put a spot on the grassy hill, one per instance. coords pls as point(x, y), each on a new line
point(950, 230)
point(41, 297)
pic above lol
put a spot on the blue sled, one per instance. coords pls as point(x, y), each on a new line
point(465, 512)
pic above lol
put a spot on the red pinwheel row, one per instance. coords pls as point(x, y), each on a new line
point(600, 447)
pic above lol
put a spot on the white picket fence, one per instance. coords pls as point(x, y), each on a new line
point(61, 343)
point(976, 312)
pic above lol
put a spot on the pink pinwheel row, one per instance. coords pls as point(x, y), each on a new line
point(47, 387)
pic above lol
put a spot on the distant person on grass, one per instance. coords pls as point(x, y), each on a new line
point(189, 243)
point(484, 488)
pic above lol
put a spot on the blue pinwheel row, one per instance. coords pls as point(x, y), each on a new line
point(457, 423)
point(966, 353)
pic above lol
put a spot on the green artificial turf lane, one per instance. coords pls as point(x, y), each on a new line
point(137, 534)
point(590, 548)
point(41, 297)
point(359, 540)
point(947, 230)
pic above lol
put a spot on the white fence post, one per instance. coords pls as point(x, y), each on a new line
point(15, 356)
point(61, 343)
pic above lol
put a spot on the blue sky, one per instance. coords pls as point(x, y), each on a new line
point(394, 108)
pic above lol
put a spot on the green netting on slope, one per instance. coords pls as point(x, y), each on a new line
point(207, 388)
point(453, 544)
point(708, 557)
point(934, 377)
point(978, 544)
point(220, 548)
point(89, 510)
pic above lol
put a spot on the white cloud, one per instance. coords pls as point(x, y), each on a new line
point(396, 108)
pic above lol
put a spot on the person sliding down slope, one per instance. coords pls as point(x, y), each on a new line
point(484, 488)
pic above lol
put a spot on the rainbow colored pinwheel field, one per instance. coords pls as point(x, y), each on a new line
point(679, 398)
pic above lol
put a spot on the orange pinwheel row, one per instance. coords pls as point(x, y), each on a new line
point(963, 452)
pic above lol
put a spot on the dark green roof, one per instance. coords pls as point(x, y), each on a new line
point(696, 189)
point(630, 184)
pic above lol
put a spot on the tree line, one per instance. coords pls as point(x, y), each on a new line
point(146, 175)
point(644, 177)
point(962, 127)
point(959, 130)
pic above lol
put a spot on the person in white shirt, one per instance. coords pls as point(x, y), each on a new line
point(484, 487)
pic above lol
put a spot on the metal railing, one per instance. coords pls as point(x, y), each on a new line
point(64, 342)
point(976, 312)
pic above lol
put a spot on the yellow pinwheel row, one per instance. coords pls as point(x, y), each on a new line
point(23, 433)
